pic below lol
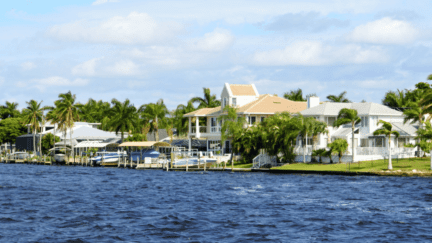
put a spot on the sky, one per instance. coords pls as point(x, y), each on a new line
point(150, 50)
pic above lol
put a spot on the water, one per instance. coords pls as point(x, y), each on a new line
point(79, 204)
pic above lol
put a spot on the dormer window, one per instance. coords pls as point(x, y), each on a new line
point(234, 102)
point(224, 102)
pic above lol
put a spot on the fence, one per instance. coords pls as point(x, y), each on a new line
point(262, 160)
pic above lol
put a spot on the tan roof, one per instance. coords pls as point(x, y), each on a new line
point(242, 90)
point(137, 144)
point(269, 104)
point(203, 112)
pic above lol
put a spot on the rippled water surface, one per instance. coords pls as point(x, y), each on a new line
point(81, 204)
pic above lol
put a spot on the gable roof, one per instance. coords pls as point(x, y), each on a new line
point(369, 108)
point(204, 112)
point(243, 90)
point(269, 104)
point(405, 129)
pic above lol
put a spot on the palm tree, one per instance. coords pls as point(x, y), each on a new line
point(346, 116)
point(386, 130)
point(124, 117)
point(155, 113)
point(9, 110)
point(426, 133)
point(338, 146)
point(317, 128)
point(232, 127)
point(53, 118)
point(33, 115)
point(67, 112)
point(396, 99)
point(305, 129)
point(209, 100)
point(88, 111)
point(294, 95)
point(339, 98)
point(180, 122)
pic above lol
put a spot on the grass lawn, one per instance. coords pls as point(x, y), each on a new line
point(404, 165)
point(236, 165)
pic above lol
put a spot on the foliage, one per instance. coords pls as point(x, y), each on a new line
point(9, 110)
point(162, 144)
point(319, 153)
point(209, 100)
point(33, 115)
point(339, 98)
point(10, 129)
point(48, 142)
point(136, 137)
point(339, 147)
point(124, 117)
point(155, 114)
point(294, 95)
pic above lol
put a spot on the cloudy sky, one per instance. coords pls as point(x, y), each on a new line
point(147, 50)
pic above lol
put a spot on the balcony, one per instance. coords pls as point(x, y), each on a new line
point(215, 129)
point(201, 129)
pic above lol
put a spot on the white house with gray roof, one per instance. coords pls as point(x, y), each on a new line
point(365, 142)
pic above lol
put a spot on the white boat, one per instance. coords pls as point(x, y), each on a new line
point(193, 161)
point(60, 158)
point(107, 157)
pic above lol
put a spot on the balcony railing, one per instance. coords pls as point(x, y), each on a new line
point(215, 129)
point(201, 129)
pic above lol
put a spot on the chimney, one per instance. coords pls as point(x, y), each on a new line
point(312, 101)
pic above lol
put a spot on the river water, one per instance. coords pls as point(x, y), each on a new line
point(82, 204)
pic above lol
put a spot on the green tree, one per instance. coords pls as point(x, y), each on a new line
point(396, 99)
point(339, 98)
point(348, 116)
point(67, 112)
point(426, 134)
point(9, 110)
point(10, 129)
point(305, 128)
point(339, 147)
point(294, 95)
point(209, 100)
point(155, 113)
point(319, 153)
point(181, 123)
point(48, 142)
point(33, 115)
point(124, 117)
point(232, 127)
point(387, 131)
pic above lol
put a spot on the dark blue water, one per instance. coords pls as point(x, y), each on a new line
point(79, 204)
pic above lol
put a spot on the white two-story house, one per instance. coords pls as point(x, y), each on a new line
point(250, 104)
point(365, 142)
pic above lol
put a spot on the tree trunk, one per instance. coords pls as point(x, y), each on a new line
point(304, 148)
point(390, 167)
point(232, 161)
point(156, 130)
point(34, 142)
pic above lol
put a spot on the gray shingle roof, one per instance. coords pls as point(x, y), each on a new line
point(405, 129)
point(369, 108)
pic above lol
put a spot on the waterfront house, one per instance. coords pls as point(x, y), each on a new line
point(367, 145)
point(250, 105)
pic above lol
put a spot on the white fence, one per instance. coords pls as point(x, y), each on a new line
point(262, 160)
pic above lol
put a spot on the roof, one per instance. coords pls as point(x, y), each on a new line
point(137, 144)
point(405, 129)
point(344, 131)
point(204, 112)
point(367, 108)
point(86, 132)
point(185, 143)
point(151, 136)
point(242, 90)
point(269, 104)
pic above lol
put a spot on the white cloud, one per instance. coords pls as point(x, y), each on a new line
point(44, 83)
point(26, 66)
point(98, 2)
point(384, 31)
point(123, 67)
point(218, 40)
point(86, 68)
point(136, 28)
point(315, 53)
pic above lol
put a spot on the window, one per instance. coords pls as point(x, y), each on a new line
point(262, 119)
point(401, 142)
point(364, 121)
point(234, 101)
point(213, 121)
point(379, 142)
point(252, 120)
point(364, 142)
point(331, 120)
point(224, 102)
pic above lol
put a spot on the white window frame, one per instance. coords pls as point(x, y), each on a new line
point(234, 101)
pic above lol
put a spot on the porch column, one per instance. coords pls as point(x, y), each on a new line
point(197, 128)
point(190, 126)
point(190, 143)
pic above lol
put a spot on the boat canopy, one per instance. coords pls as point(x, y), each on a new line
point(138, 144)
point(93, 144)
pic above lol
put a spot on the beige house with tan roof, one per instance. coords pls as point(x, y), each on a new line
point(250, 104)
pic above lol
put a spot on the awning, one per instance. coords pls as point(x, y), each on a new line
point(92, 144)
point(137, 144)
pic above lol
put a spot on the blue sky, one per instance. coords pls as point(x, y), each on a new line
point(147, 50)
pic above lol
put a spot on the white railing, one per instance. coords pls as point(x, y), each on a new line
point(299, 150)
point(383, 151)
point(201, 129)
point(262, 160)
point(215, 129)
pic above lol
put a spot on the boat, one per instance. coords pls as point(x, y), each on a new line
point(145, 153)
point(108, 157)
point(193, 161)
point(60, 158)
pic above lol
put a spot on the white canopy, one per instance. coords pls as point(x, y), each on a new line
point(92, 144)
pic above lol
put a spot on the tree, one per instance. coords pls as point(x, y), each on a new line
point(209, 100)
point(181, 123)
point(317, 127)
point(339, 98)
point(48, 142)
point(232, 127)
point(339, 147)
point(155, 113)
point(9, 110)
point(387, 131)
point(33, 115)
point(124, 117)
point(10, 129)
point(294, 95)
point(305, 128)
point(67, 112)
point(426, 134)
point(348, 116)
point(54, 119)
point(319, 153)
